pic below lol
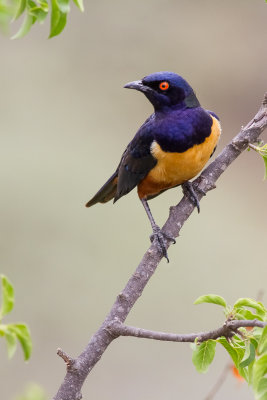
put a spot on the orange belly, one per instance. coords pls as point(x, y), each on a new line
point(173, 169)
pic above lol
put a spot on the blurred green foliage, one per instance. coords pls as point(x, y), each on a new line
point(36, 11)
point(13, 332)
point(261, 149)
point(32, 392)
point(247, 349)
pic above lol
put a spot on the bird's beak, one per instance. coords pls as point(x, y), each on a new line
point(137, 85)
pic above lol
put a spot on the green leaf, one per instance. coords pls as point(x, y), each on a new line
point(250, 357)
point(64, 6)
point(11, 342)
point(262, 347)
point(21, 8)
point(7, 297)
point(257, 333)
point(246, 302)
point(236, 355)
point(58, 19)
point(259, 370)
point(211, 298)
point(244, 373)
point(79, 4)
point(203, 355)
point(25, 27)
point(254, 341)
point(2, 330)
point(44, 5)
point(262, 389)
point(38, 13)
point(243, 313)
point(265, 163)
point(23, 334)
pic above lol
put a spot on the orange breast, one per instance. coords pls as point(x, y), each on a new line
point(173, 169)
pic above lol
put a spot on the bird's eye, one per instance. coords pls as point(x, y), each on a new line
point(164, 85)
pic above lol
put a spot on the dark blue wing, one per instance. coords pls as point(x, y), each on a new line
point(137, 160)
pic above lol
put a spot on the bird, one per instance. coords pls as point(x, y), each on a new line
point(170, 148)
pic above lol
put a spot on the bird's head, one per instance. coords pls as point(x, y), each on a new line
point(166, 90)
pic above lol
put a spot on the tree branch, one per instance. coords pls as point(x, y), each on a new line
point(70, 389)
point(229, 328)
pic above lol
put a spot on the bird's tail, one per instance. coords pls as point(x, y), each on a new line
point(106, 193)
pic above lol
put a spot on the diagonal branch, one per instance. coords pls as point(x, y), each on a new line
point(79, 369)
point(229, 328)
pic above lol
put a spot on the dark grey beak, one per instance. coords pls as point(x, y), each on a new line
point(137, 85)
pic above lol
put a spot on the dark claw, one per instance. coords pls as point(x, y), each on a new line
point(201, 191)
point(170, 238)
point(159, 238)
point(189, 191)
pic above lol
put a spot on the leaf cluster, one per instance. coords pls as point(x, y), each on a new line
point(36, 11)
point(13, 332)
point(261, 149)
point(247, 348)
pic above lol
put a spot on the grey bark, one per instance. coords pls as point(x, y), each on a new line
point(229, 328)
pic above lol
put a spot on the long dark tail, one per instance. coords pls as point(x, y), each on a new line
point(106, 193)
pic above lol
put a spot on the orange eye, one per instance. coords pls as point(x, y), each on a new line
point(164, 85)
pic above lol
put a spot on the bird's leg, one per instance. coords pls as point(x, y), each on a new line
point(188, 190)
point(157, 235)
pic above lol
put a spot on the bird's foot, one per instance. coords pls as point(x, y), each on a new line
point(189, 191)
point(160, 238)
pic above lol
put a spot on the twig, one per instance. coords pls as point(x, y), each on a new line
point(70, 389)
point(219, 382)
point(228, 329)
point(68, 360)
point(253, 147)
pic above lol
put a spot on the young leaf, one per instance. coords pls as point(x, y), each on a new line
point(250, 357)
point(25, 27)
point(262, 389)
point(23, 334)
point(59, 26)
point(21, 8)
point(203, 355)
point(2, 330)
point(255, 343)
point(211, 298)
point(79, 4)
point(243, 313)
point(246, 302)
point(244, 373)
point(38, 13)
point(262, 347)
point(64, 6)
point(44, 5)
point(235, 354)
point(11, 342)
point(259, 370)
point(7, 297)
point(58, 19)
point(265, 163)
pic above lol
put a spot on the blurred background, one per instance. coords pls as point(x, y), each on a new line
point(65, 121)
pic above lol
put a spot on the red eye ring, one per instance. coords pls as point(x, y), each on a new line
point(164, 85)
